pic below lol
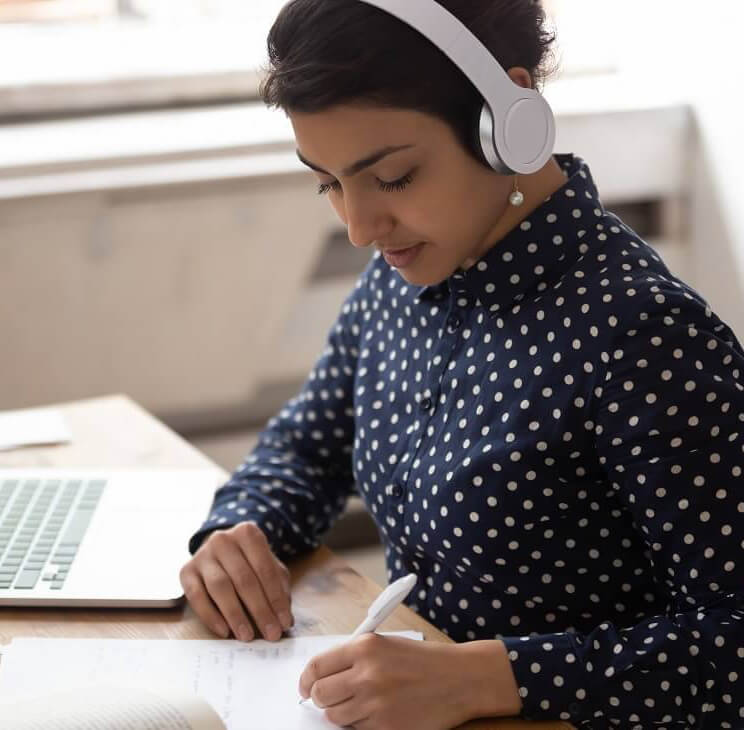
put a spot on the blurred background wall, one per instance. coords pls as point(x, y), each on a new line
point(158, 236)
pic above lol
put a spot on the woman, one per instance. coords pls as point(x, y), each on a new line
point(544, 422)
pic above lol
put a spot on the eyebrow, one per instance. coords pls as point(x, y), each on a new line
point(359, 165)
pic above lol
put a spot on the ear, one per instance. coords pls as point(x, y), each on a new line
point(520, 76)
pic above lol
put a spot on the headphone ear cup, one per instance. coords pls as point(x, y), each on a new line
point(483, 127)
point(475, 136)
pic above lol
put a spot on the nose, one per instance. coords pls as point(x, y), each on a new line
point(366, 222)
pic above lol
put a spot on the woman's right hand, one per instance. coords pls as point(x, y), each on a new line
point(234, 577)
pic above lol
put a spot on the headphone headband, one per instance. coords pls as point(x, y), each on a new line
point(517, 128)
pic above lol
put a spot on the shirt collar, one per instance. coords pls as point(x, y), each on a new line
point(537, 251)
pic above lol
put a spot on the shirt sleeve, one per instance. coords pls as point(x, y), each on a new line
point(297, 479)
point(668, 430)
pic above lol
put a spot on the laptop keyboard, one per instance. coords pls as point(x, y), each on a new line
point(42, 523)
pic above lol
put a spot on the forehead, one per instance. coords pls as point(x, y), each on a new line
point(342, 134)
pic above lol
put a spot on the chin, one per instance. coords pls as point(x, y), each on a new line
point(428, 275)
point(412, 277)
point(419, 278)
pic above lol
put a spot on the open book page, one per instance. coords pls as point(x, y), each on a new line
point(251, 685)
point(109, 708)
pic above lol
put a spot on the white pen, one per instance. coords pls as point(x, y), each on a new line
point(384, 605)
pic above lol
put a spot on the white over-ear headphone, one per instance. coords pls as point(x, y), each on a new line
point(516, 125)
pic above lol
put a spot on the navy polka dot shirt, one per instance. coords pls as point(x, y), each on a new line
point(553, 441)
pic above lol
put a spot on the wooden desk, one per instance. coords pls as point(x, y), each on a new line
point(328, 596)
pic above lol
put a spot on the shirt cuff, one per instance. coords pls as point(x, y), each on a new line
point(285, 541)
point(199, 537)
point(225, 516)
point(550, 677)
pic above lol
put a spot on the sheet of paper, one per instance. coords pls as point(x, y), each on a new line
point(249, 685)
point(32, 427)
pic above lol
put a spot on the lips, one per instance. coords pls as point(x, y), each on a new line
point(398, 250)
point(402, 257)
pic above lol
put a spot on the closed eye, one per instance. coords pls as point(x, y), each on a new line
point(387, 187)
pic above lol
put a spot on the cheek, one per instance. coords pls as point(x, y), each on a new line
point(438, 218)
point(426, 213)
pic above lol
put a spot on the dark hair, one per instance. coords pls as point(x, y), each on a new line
point(328, 52)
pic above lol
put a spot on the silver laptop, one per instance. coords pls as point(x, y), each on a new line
point(98, 538)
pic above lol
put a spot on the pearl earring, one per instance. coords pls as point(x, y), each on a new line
point(516, 198)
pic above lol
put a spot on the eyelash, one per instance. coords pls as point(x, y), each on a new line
point(387, 187)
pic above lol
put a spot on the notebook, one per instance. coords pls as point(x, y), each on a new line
point(103, 684)
point(113, 538)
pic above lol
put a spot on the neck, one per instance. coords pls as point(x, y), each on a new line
point(535, 188)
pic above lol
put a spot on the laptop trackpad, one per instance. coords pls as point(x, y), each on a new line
point(137, 540)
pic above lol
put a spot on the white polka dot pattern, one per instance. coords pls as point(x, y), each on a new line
point(553, 442)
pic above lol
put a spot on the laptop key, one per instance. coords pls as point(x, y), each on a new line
point(27, 579)
point(68, 551)
point(77, 527)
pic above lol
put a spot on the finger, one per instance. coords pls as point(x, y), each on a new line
point(323, 665)
point(287, 585)
point(273, 580)
point(282, 602)
point(248, 587)
point(220, 587)
point(199, 600)
point(272, 573)
point(333, 690)
point(348, 714)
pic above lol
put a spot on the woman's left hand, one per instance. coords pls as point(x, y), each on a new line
point(389, 683)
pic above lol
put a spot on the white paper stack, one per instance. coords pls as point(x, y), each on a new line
point(32, 427)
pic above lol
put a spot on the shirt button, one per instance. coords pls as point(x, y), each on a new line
point(426, 404)
point(397, 491)
point(453, 322)
point(573, 708)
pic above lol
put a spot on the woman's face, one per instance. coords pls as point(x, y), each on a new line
point(400, 179)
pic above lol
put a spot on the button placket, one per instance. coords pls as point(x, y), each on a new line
point(454, 322)
point(458, 302)
point(395, 508)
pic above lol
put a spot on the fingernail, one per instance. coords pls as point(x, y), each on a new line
point(286, 619)
point(272, 632)
point(244, 632)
